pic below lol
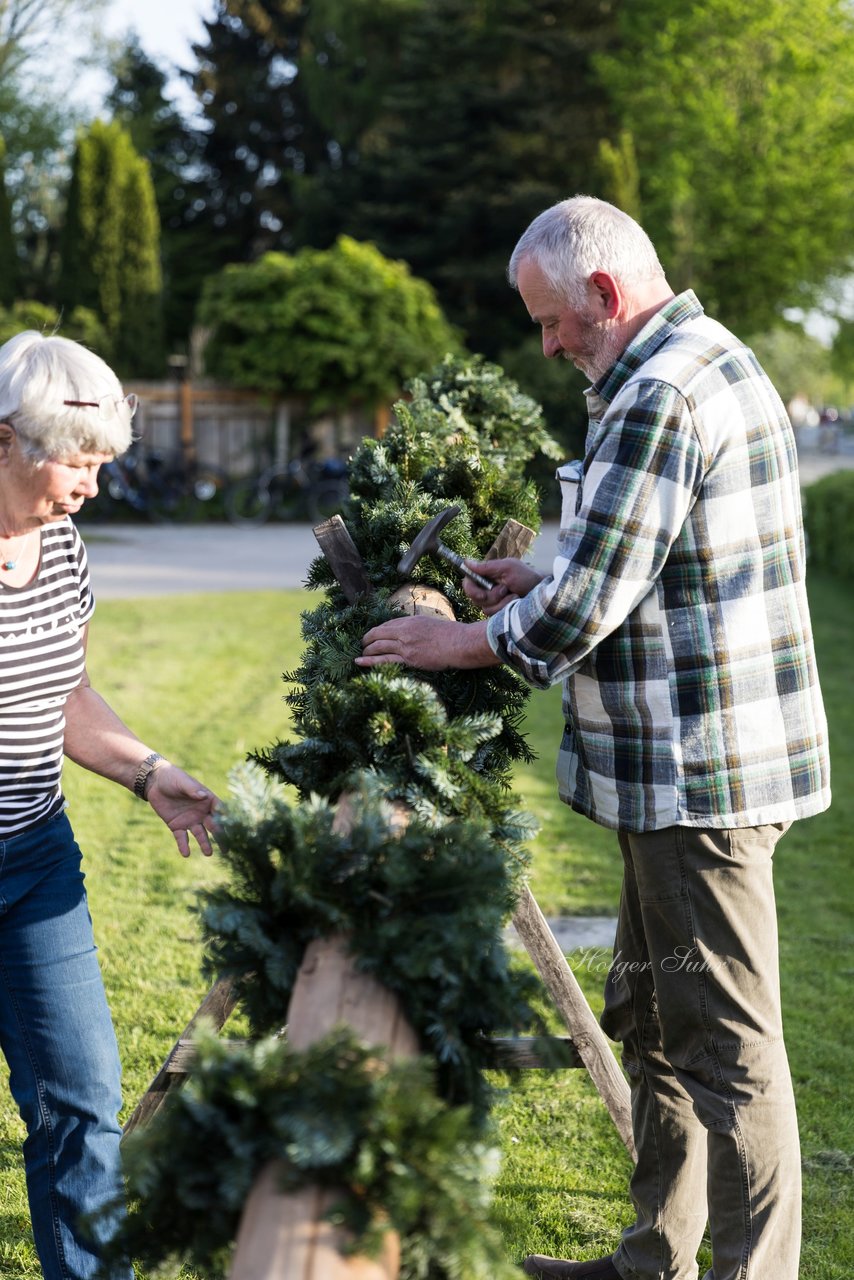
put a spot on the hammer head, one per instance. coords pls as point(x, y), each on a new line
point(427, 540)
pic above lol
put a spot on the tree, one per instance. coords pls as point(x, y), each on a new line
point(81, 324)
point(797, 363)
point(742, 119)
point(110, 246)
point(842, 351)
point(172, 147)
point(434, 128)
point(8, 256)
point(36, 78)
point(288, 88)
point(496, 113)
point(32, 28)
point(341, 326)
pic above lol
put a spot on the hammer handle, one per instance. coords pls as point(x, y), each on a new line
point(455, 559)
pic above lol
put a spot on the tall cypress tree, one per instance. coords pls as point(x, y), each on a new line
point(172, 148)
point(139, 339)
point(110, 245)
point(8, 256)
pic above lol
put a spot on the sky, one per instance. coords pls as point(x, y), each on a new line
point(166, 29)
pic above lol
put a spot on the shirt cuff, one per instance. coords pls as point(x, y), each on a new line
point(499, 635)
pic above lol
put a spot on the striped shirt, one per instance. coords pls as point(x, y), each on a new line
point(676, 612)
point(41, 662)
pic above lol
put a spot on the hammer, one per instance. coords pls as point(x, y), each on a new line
point(428, 541)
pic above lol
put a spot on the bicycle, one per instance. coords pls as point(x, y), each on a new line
point(158, 486)
point(294, 490)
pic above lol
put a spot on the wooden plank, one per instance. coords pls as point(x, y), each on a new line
point(286, 1236)
point(591, 1042)
point(513, 542)
point(534, 1053)
point(283, 1235)
point(216, 1008)
point(340, 550)
point(330, 991)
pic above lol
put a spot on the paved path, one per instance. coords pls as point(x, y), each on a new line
point(156, 560)
point(148, 560)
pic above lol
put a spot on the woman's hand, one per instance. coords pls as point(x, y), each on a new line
point(184, 805)
point(513, 578)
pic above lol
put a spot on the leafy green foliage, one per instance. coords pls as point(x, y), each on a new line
point(421, 903)
point(829, 524)
point(746, 145)
point(339, 326)
point(797, 364)
point(423, 911)
point(81, 324)
point(842, 352)
point(335, 1115)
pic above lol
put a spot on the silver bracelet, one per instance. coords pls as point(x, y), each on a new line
point(144, 772)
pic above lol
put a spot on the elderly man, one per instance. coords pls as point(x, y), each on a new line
point(677, 618)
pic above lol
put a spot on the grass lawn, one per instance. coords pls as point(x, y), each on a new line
point(199, 679)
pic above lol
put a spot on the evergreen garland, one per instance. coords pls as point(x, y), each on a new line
point(465, 437)
point(423, 909)
point(335, 1115)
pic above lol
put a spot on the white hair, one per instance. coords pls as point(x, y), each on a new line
point(37, 374)
point(576, 237)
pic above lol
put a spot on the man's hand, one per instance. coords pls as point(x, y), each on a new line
point(512, 578)
point(428, 644)
point(184, 805)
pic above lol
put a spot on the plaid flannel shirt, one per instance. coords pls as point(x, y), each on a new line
point(676, 612)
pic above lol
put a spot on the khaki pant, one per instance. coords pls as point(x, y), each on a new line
point(693, 995)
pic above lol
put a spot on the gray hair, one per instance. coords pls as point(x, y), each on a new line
point(576, 237)
point(37, 374)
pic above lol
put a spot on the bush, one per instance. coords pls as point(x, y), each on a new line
point(829, 524)
point(81, 324)
point(341, 326)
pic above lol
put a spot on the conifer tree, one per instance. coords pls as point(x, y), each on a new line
point(139, 339)
point(110, 245)
point(172, 147)
point(8, 256)
point(515, 116)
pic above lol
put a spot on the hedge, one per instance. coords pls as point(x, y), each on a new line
point(829, 524)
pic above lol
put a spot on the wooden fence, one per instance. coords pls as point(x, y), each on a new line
point(234, 430)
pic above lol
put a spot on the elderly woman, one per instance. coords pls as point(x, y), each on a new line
point(62, 414)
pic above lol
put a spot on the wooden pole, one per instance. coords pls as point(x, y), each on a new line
point(590, 1041)
point(284, 1235)
point(593, 1046)
point(215, 1008)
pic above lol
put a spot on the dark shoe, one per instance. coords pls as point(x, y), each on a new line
point(537, 1264)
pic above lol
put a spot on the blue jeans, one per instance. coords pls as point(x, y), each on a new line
point(57, 1036)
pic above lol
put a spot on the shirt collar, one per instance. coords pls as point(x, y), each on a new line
point(685, 306)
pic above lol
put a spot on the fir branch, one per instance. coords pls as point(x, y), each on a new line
point(424, 910)
point(335, 1115)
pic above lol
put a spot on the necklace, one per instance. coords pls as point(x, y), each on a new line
point(9, 564)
